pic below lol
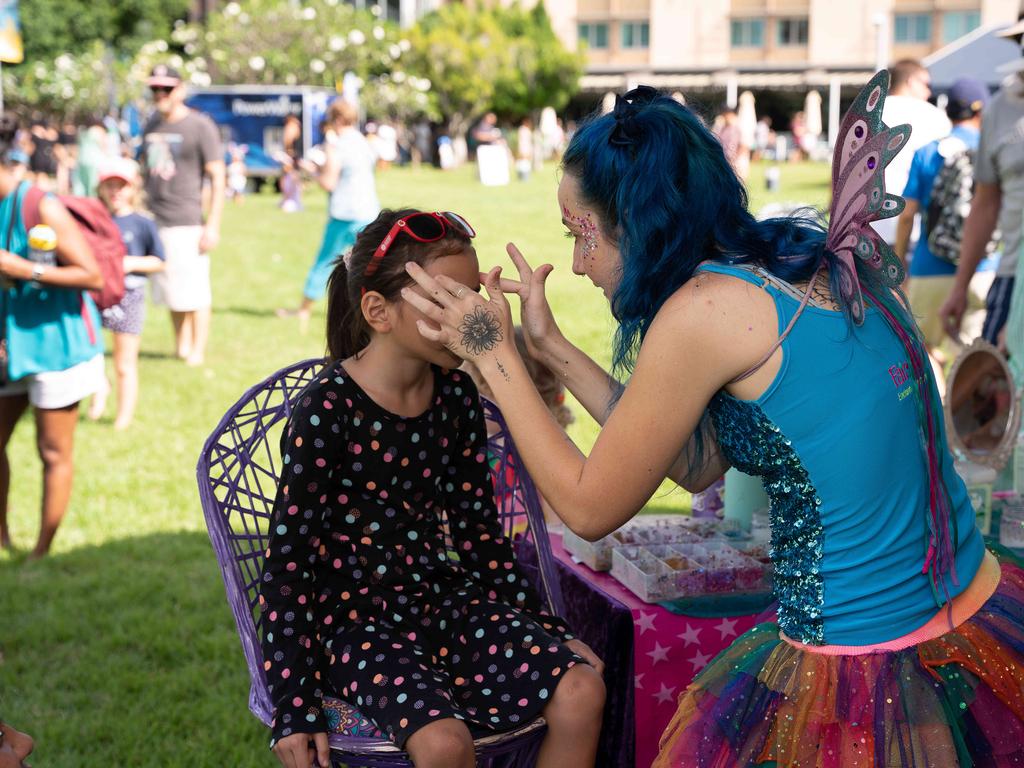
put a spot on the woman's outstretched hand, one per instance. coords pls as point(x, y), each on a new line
point(538, 322)
point(464, 321)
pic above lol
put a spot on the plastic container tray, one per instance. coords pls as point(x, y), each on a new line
point(670, 571)
point(650, 530)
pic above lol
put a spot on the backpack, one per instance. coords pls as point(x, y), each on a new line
point(950, 202)
point(99, 231)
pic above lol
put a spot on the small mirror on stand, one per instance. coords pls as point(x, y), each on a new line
point(982, 419)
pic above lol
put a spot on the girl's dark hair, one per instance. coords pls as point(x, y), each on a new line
point(549, 387)
point(8, 137)
point(347, 329)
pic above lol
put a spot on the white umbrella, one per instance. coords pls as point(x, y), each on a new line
point(812, 113)
point(747, 119)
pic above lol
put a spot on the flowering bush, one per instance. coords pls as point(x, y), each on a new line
point(284, 43)
point(74, 85)
point(453, 65)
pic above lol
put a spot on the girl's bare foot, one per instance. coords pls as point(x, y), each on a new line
point(99, 400)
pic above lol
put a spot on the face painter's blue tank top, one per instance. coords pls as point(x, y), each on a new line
point(835, 439)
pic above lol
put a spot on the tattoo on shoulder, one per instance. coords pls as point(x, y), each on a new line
point(480, 331)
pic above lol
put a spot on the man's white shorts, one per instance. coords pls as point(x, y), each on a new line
point(184, 285)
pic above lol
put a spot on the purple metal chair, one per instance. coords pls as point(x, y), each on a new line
point(237, 474)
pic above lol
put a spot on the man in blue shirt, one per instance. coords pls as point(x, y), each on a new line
point(931, 278)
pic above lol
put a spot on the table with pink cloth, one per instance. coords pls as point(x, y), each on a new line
point(652, 655)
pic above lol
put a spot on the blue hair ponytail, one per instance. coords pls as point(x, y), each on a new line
point(665, 192)
point(663, 189)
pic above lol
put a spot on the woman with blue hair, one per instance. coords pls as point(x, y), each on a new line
point(787, 350)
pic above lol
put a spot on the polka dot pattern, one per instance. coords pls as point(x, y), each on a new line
point(360, 595)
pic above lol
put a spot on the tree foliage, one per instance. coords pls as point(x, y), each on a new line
point(458, 51)
point(51, 28)
point(398, 97)
point(76, 86)
point(453, 65)
point(506, 59)
point(538, 72)
point(285, 43)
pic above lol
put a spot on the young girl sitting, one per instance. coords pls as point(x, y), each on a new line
point(145, 254)
point(360, 597)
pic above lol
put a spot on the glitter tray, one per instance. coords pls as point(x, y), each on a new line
point(669, 571)
point(649, 529)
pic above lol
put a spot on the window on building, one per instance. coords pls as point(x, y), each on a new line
point(594, 35)
point(747, 33)
point(956, 24)
point(792, 31)
point(635, 34)
point(913, 28)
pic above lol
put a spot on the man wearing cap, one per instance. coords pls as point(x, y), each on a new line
point(180, 148)
point(998, 199)
point(931, 278)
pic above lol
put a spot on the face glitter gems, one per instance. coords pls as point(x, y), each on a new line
point(588, 231)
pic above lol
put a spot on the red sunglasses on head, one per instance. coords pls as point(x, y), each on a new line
point(423, 227)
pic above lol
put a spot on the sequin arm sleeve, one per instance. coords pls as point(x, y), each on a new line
point(291, 649)
point(476, 529)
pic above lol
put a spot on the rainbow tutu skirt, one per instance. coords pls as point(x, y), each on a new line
point(953, 701)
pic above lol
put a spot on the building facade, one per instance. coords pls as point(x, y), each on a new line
point(719, 48)
point(764, 42)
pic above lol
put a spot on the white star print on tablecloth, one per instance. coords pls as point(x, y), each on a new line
point(660, 653)
point(699, 661)
point(638, 680)
point(665, 694)
point(727, 627)
point(646, 622)
point(691, 635)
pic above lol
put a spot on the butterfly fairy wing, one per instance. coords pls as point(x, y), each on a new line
point(861, 195)
point(862, 121)
point(865, 146)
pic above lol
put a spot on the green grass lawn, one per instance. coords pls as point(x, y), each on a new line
point(120, 649)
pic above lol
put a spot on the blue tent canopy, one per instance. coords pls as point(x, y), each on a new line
point(976, 55)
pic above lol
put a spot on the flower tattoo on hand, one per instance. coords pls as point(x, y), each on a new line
point(480, 331)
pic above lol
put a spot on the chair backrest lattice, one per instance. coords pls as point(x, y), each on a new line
point(518, 502)
point(238, 473)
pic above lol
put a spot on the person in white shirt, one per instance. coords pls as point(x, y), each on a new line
point(348, 177)
point(907, 102)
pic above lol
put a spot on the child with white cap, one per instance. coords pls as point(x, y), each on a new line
point(118, 189)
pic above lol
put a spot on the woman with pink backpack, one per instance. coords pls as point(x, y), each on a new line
point(51, 352)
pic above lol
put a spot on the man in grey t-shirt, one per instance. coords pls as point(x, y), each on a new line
point(180, 148)
point(998, 200)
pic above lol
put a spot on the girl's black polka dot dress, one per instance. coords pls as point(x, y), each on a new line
point(360, 596)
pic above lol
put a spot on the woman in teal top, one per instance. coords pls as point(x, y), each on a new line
point(51, 352)
point(787, 350)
